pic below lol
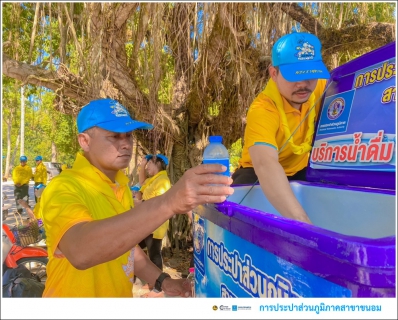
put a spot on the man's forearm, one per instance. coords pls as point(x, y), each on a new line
point(276, 188)
point(90, 243)
point(143, 268)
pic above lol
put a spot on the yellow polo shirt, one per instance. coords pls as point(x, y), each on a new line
point(40, 174)
point(22, 174)
point(264, 127)
point(84, 193)
point(155, 186)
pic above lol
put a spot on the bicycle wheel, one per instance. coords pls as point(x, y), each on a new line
point(37, 266)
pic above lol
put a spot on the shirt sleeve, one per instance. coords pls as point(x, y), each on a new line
point(162, 185)
point(262, 122)
point(61, 207)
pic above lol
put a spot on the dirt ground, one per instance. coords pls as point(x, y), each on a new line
point(179, 262)
point(176, 265)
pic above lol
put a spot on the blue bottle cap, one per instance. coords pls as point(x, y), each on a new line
point(215, 139)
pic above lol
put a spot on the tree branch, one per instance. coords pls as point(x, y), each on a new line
point(72, 87)
point(123, 12)
point(298, 14)
point(355, 36)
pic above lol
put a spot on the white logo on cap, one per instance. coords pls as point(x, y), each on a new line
point(306, 51)
point(119, 110)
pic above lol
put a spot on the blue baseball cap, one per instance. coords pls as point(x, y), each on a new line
point(298, 56)
point(160, 156)
point(23, 158)
point(39, 158)
point(108, 114)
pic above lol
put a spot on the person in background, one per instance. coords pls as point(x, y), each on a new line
point(21, 176)
point(155, 182)
point(40, 175)
point(35, 213)
point(274, 152)
point(92, 226)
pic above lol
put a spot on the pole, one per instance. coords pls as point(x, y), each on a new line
point(22, 122)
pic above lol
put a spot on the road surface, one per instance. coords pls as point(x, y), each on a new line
point(8, 189)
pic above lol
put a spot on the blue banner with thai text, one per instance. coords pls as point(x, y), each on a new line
point(229, 266)
point(356, 129)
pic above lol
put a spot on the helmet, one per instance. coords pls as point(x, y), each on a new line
point(39, 158)
point(23, 158)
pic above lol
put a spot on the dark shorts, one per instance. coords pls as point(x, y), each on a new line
point(248, 176)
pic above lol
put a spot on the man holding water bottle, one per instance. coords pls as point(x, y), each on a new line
point(281, 120)
point(88, 211)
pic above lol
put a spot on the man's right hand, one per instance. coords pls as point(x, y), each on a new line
point(17, 184)
point(275, 184)
point(199, 185)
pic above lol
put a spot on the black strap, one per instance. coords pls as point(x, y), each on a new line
point(159, 281)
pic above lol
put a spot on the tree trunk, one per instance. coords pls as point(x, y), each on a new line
point(7, 166)
point(54, 153)
point(14, 153)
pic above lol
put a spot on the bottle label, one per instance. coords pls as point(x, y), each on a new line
point(224, 162)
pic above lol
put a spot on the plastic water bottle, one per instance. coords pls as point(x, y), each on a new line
point(191, 278)
point(216, 152)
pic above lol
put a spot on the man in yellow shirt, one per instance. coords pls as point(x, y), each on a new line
point(40, 175)
point(280, 122)
point(91, 224)
point(21, 176)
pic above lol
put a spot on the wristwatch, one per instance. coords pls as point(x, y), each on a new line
point(159, 281)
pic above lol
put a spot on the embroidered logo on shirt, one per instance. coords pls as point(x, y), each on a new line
point(129, 267)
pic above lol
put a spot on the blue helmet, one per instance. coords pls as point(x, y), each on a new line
point(23, 158)
point(39, 158)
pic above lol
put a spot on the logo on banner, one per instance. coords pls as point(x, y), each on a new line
point(215, 308)
point(336, 108)
point(199, 239)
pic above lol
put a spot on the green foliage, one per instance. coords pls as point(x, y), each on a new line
point(166, 84)
point(235, 152)
point(214, 109)
point(43, 124)
point(382, 11)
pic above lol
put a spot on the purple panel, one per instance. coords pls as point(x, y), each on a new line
point(343, 78)
point(365, 266)
point(372, 179)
